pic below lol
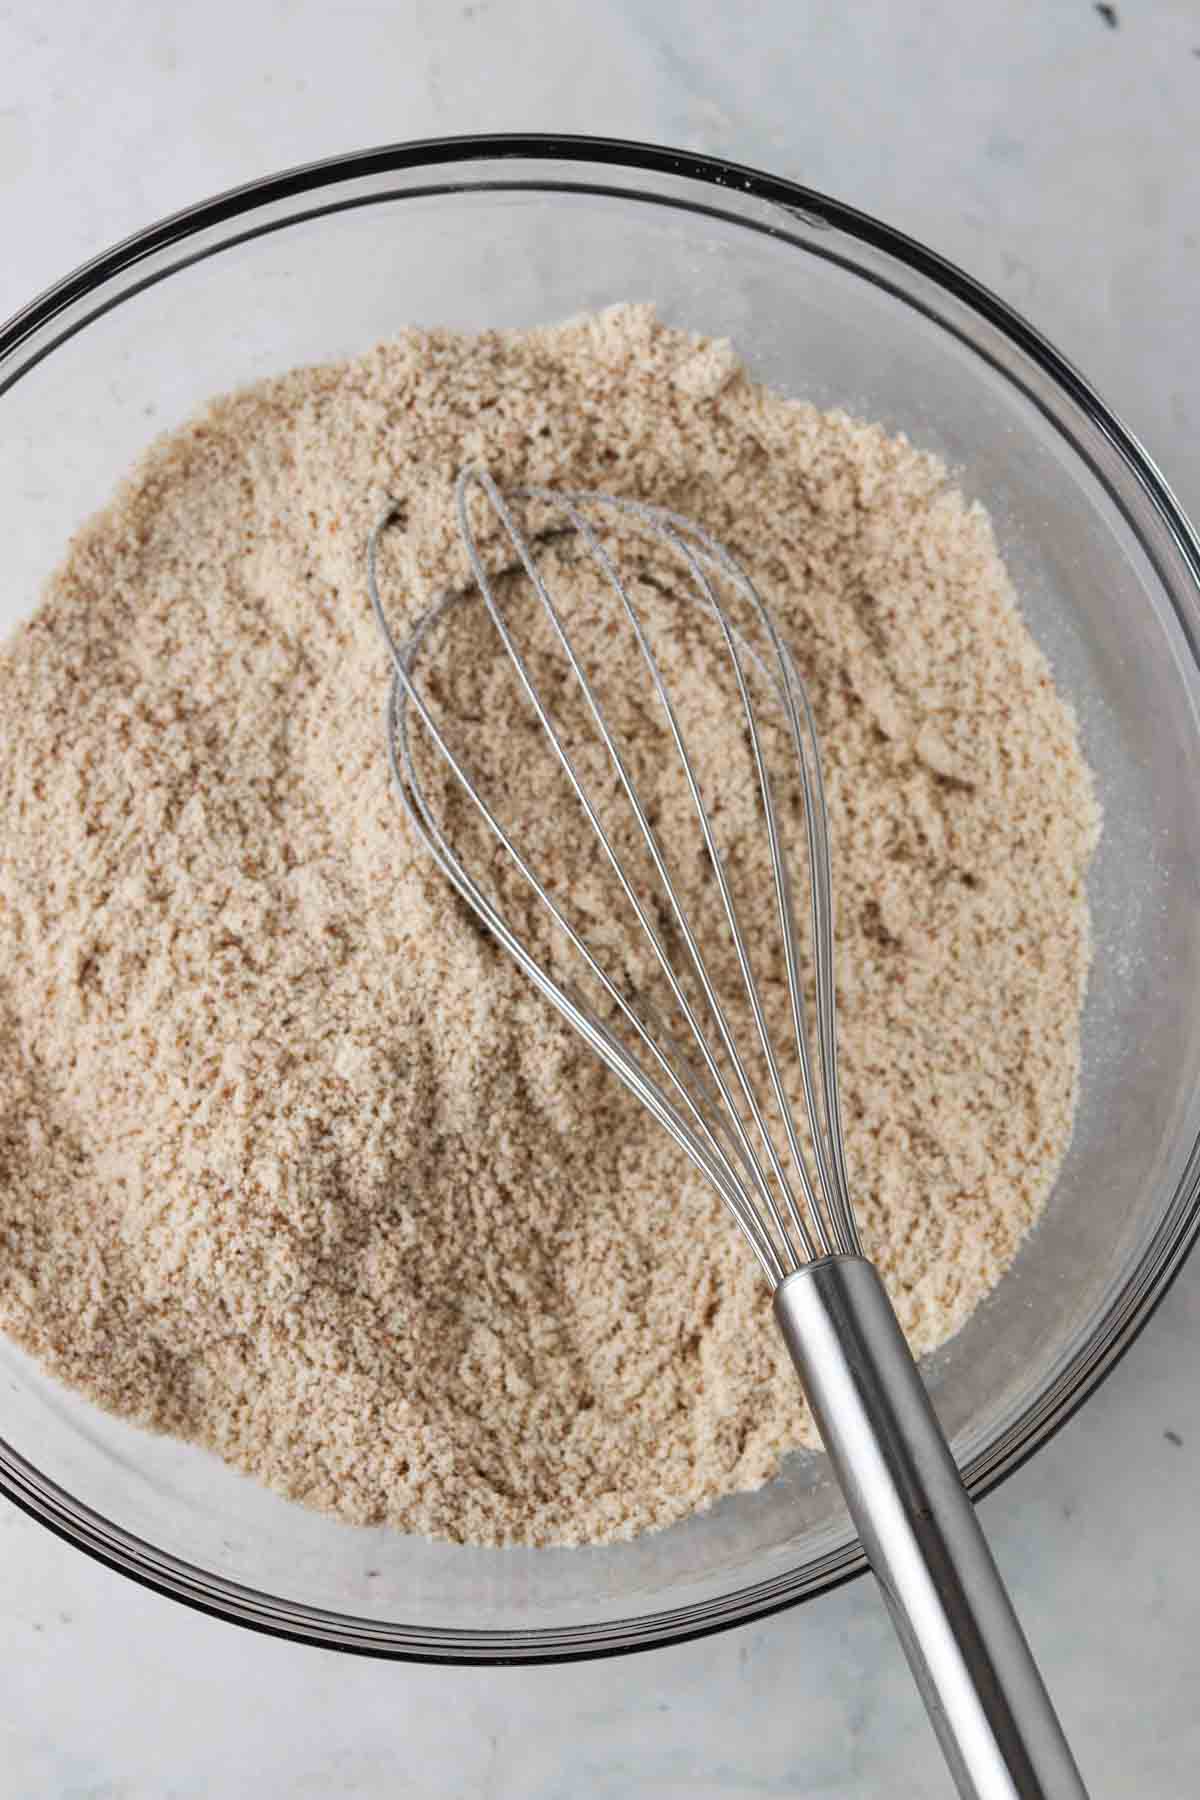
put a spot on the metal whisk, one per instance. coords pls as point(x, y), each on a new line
point(784, 1183)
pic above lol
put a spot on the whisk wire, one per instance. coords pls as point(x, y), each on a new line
point(520, 543)
point(789, 1233)
point(823, 1104)
point(706, 1152)
point(823, 1100)
point(728, 905)
point(828, 1142)
point(783, 898)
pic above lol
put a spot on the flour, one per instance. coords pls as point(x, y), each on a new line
point(293, 1162)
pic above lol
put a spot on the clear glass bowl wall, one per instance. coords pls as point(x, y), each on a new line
point(822, 304)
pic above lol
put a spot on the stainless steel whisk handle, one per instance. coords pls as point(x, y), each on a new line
point(986, 1700)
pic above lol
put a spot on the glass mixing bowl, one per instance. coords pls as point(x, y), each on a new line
point(823, 303)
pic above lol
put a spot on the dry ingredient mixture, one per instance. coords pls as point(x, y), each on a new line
point(293, 1162)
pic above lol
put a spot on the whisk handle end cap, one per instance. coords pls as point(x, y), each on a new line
point(989, 1707)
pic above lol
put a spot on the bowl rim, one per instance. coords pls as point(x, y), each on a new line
point(54, 315)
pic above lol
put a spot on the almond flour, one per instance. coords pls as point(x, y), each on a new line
point(293, 1163)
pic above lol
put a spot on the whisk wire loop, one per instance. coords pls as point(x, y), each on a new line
point(487, 591)
point(706, 1152)
point(692, 1100)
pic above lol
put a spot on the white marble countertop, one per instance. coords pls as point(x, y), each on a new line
point(1055, 155)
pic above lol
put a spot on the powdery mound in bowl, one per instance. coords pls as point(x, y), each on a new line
point(293, 1162)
